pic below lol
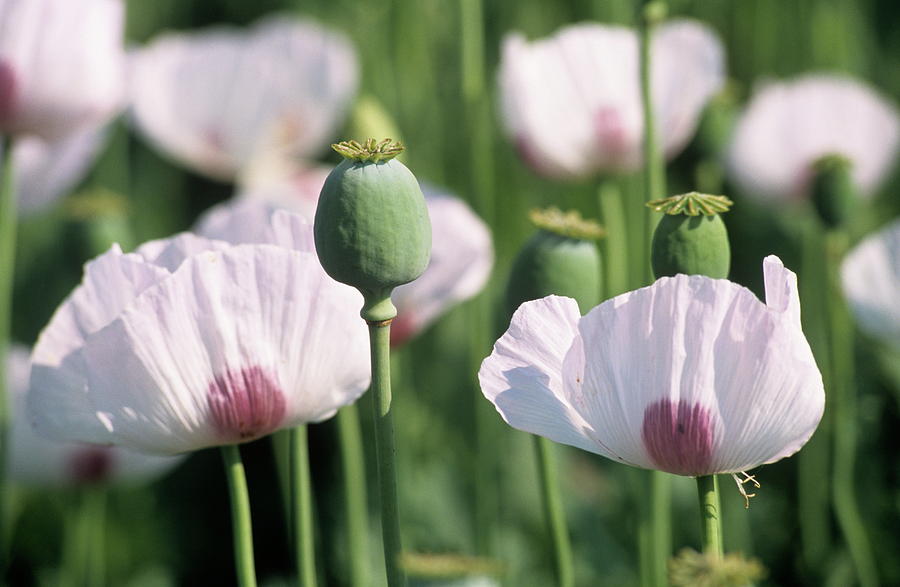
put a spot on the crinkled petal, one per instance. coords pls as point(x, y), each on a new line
point(523, 376)
point(217, 99)
point(251, 221)
point(169, 253)
point(235, 345)
point(695, 376)
point(787, 126)
point(871, 279)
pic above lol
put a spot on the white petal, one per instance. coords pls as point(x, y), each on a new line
point(462, 256)
point(523, 376)
point(217, 99)
point(58, 401)
point(871, 278)
point(234, 345)
point(788, 126)
point(169, 253)
point(35, 460)
point(250, 221)
point(736, 376)
point(61, 65)
point(47, 170)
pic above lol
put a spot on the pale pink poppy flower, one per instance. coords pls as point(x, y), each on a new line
point(871, 277)
point(788, 126)
point(44, 171)
point(691, 375)
point(191, 342)
point(35, 460)
point(61, 64)
point(462, 253)
point(572, 102)
point(217, 99)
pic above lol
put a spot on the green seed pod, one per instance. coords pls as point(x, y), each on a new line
point(691, 237)
point(561, 258)
point(371, 228)
point(833, 192)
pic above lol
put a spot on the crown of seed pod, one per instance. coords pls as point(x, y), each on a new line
point(833, 192)
point(371, 228)
point(561, 258)
point(691, 237)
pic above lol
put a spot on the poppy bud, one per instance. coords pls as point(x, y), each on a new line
point(833, 193)
point(691, 237)
point(372, 229)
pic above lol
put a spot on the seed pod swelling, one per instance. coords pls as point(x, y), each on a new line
point(561, 258)
point(691, 237)
point(833, 192)
point(372, 229)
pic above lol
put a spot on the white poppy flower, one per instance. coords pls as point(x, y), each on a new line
point(44, 171)
point(190, 342)
point(788, 126)
point(572, 102)
point(462, 253)
point(35, 460)
point(871, 279)
point(217, 99)
point(61, 64)
point(691, 375)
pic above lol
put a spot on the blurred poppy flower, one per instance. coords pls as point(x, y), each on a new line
point(691, 375)
point(61, 64)
point(217, 99)
point(35, 460)
point(572, 102)
point(871, 277)
point(462, 253)
point(788, 126)
point(189, 342)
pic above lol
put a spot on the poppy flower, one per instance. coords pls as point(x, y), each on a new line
point(62, 65)
point(572, 102)
point(871, 278)
point(789, 126)
point(217, 99)
point(35, 460)
point(691, 375)
point(190, 342)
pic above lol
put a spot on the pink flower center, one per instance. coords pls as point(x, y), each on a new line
point(610, 132)
point(245, 404)
point(7, 91)
point(678, 437)
point(91, 464)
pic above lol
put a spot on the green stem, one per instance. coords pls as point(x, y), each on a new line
point(242, 528)
point(710, 515)
point(553, 510)
point(356, 509)
point(7, 271)
point(380, 347)
point(302, 508)
point(615, 245)
point(843, 407)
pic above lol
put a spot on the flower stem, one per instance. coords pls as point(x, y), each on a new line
point(710, 515)
point(843, 407)
point(380, 347)
point(615, 246)
point(553, 509)
point(240, 516)
point(356, 510)
point(7, 271)
point(302, 509)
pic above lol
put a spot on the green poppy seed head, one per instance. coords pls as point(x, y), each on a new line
point(370, 151)
point(691, 204)
point(833, 195)
point(568, 224)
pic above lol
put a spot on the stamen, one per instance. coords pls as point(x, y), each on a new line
point(740, 484)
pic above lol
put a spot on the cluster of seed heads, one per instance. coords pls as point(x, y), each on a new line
point(370, 151)
point(691, 204)
point(569, 224)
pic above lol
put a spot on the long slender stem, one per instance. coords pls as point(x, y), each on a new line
point(615, 245)
point(7, 271)
point(843, 406)
point(95, 511)
point(302, 508)
point(710, 514)
point(553, 510)
point(380, 347)
point(242, 527)
point(356, 509)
